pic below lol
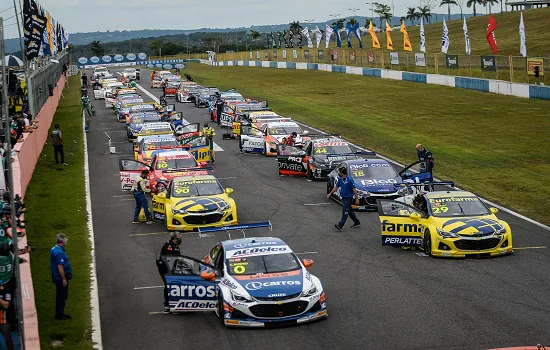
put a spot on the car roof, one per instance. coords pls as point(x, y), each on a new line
point(156, 125)
point(195, 177)
point(329, 139)
point(449, 194)
point(170, 153)
point(282, 124)
point(158, 138)
point(364, 160)
point(238, 245)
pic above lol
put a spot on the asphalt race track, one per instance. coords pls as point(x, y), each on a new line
point(377, 297)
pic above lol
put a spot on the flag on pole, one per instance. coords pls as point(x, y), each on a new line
point(338, 37)
point(357, 33)
point(422, 36)
point(318, 35)
point(375, 42)
point(491, 38)
point(305, 32)
point(523, 46)
point(388, 37)
point(328, 34)
point(467, 38)
point(406, 41)
point(349, 29)
point(446, 42)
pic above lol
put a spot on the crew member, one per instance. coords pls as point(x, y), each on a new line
point(172, 247)
point(84, 80)
point(140, 188)
point(209, 132)
point(425, 155)
point(347, 191)
point(219, 110)
point(291, 139)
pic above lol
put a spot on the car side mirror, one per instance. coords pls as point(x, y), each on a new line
point(208, 276)
point(305, 132)
point(415, 216)
point(307, 262)
point(494, 210)
point(228, 191)
point(203, 164)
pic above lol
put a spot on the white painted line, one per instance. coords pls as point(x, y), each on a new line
point(306, 253)
point(227, 178)
point(123, 195)
point(105, 129)
point(525, 248)
point(126, 142)
point(150, 287)
point(217, 148)
point(148, 234)
point(94, 295)
point(155, 312)
point(312, 204)
point(26, 293)
point(127, 199)
point(509, 211)
point(121, 155)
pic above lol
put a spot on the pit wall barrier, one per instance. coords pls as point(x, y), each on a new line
point(28, 153)
point(485, 85)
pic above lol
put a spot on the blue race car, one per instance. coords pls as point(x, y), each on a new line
point(136, 123)
point(250, 282)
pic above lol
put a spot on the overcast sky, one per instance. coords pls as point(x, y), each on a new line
point(101, 15)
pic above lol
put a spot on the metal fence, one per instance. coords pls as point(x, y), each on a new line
point(508, 68)
point(41, 79)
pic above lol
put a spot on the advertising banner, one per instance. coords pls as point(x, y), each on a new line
point(420, 59)
point(126, 59)
point(532, 63)
point(452, 61)
point(489, 63)
point(394, 58)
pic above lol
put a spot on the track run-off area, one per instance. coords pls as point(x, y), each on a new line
point(377, 297)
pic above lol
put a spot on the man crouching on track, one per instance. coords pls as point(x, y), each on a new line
point(172, 247)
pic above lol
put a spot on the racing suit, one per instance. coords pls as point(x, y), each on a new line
point(290, 141)
point(140, 189)
point(169, 248)
point(426, 155)
point(210, 133)
point(219, 110)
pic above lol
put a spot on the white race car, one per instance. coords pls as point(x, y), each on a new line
point(250, 282)
point(130, 74)
point(108, 88)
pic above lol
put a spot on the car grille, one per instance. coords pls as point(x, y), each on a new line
point(284, 310)
point(467, 244)
point(203, 219)
point(279, 298)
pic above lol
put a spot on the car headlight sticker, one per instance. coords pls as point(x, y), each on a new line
point(241, 298)
point(310, 292)
point(446, 234)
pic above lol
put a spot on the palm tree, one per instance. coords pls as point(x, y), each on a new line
point(489, 3)
point(97, 48)
point(448, 3)
point(424, 12)
point(352, 21)
point(473, 3)
point(412, 14)
point(383, 11)
point(295, 27)
point(255, 34)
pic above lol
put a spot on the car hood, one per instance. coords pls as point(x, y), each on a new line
point(270, 285)
point(472, 226)
point(377, 185)
point(200, 204)
point(334, 159)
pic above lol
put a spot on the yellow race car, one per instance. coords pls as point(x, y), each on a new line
point(192, 202)
point(444, 224)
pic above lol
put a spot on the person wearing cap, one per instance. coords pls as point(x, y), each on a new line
point(62, 273)
point(140, 187)
point(347, 191)
point(291, 139)
point(172, 247)
point(209, 133)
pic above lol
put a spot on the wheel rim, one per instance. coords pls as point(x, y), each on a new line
point(428, 243)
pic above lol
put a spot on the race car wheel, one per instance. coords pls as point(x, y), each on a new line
point(427, 243)
point(309, 174)
point(220, 310)
point(329, 187)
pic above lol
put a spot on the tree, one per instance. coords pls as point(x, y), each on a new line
point(460, 4)
point(412, 14)
point(156, 46)
point(352, 21)
point(489, 3)
point(424, 12)
point(431, 5)
point(97, 49)
point(295, 27)
point(383, 11)
point(339, 23)
point(473, 3)
point(448, 3)
point(255, 34)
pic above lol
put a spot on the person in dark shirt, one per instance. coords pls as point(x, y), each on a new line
point(219, 110)
point(425, 154)
point(347, 192)
point(172, 247)
point(6, 307)
point(61, 275)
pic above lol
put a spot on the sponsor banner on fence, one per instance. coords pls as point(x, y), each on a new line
point(112, 59)
point(266, 55)
point(452, 61)
point(394, 58)
point(258, 54)
point(352, 56)
point(372, 57)
point(335, 55)
point(274, 53)
point(306, 54)
point(295, 54)
point(284, 53)
point(532, 63)
point(320, 54)
point(420, 59)
point(250, 55)
point(166, 64)
point(489, 63)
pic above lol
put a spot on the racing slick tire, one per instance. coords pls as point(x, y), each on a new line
point(427, 243)
point(329, 188)
point(220, 311)
point(265, 149)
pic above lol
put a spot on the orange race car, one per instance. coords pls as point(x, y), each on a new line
point(144, 149)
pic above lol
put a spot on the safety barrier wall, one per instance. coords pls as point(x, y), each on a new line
point(23, 167)
point(485, 85)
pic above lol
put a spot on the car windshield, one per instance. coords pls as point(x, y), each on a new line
point(129, 71)
point(331, 147)
point(172, 163)
point(160, 128)
point(254, 265)
point(151, 146)
point(285, 130)
point(372, 171)
point(193, 188)
point(457, 206)
point(142, 108)
point(145, 119)
point(101, 70)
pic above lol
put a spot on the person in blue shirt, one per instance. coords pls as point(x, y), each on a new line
point(61, 275)
point(347, 192)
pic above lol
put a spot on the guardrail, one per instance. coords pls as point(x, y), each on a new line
point(42, 79)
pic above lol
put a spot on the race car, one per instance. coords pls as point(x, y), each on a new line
point(136, 122)
point(192, 202)
point(249, 282)
point(111, 98)
point(317, 158)
point(249, 120)
point(374, 179)
point(272, 134)
point(158, 79)
point(130, 74)
point(165, 165)
point(187, 93)
point(143, 151)
point(206, 96)
point(444, 224)
point(101, 93)
point(142, 107)
point(158, 128)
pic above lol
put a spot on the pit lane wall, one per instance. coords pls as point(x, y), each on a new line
point(485, 85)
point(28, 153)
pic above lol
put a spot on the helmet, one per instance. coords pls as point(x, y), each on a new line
point(205, 125)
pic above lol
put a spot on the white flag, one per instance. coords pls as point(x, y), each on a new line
point(328, 34)
point(305, 32)
point(523, 46)
point(446, 42)
point(318, 35)
point(467, 38)
point(422, 36)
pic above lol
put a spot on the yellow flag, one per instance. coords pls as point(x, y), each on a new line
point(388, 36)
point(375, 42)
point(49, 30)
point(406, 41)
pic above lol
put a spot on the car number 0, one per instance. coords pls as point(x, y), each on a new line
point(239, 269)
point(182, 190)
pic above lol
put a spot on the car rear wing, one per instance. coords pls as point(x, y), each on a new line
point(241, 228)
point(208, 169)
point(358, 153)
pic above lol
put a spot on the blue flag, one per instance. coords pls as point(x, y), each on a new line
point(45, 39)
point(357, 33)
point(349, 30)
point(338, 38)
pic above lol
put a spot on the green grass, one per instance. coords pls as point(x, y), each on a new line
point(490, 144)
point(56, 203)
